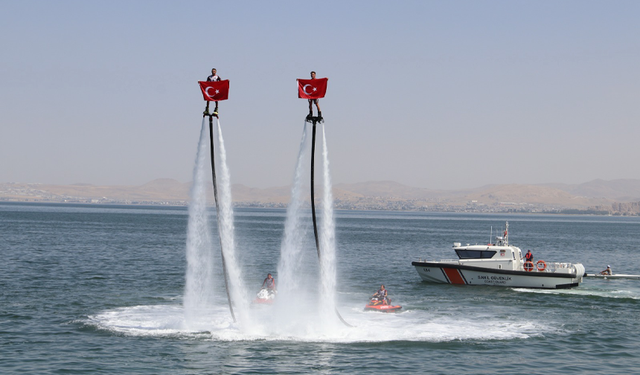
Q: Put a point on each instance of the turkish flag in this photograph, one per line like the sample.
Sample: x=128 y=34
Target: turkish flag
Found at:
x=312 y=88
x=215 y=91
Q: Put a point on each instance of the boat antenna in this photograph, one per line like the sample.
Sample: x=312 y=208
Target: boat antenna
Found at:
x=491 y=235
x=506 y=234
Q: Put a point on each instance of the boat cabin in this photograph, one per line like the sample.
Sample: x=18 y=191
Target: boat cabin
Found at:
x=492 y=255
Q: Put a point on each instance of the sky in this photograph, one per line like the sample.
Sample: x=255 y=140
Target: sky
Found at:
x=431 y=94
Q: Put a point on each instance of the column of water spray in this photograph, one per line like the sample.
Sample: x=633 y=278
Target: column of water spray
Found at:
x=327 y=243
x=292 y=247
x=199 y=283
x=237 y=288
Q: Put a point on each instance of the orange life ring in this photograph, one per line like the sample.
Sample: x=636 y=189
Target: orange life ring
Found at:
x=541 y=265
x=528 y=266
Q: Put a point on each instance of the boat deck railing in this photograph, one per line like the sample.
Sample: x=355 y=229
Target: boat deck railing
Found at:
x=439 y=261
x=558 y=267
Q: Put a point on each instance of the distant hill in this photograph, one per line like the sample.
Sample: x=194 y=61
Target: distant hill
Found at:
x=532 y=194
x=161 y=190
x=391 y=189
x=623 y=190
x=363 y=195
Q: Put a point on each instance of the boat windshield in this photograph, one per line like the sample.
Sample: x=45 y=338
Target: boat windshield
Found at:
x=475 y=254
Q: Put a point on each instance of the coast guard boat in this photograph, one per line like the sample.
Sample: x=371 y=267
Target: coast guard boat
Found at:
x=499 y=264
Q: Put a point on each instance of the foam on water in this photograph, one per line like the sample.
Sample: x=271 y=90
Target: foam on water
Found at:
x=592 y=291
x=419 y=325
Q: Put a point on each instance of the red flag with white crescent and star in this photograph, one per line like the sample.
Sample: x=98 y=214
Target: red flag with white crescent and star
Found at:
x=215 y=91
x=312 y=88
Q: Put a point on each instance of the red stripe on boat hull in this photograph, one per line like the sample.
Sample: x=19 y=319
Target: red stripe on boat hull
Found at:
x=454 y=276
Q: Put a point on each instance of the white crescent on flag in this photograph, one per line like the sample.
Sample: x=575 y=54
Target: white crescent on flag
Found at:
x=304 y=88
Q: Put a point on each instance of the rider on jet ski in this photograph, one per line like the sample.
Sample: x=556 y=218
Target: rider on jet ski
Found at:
x=269 y=283
x=381 y=295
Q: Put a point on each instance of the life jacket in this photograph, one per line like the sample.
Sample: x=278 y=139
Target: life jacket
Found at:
x=269 y=282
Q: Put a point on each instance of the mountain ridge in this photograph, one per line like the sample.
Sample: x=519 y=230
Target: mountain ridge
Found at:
x=361 y=195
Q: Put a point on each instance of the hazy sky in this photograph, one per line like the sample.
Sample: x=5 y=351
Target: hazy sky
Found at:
x=434 y=94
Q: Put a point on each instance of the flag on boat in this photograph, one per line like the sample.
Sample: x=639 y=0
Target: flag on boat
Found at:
x=312 y=88
x=215 y=91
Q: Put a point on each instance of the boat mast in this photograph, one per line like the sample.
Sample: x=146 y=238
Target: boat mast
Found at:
x=506 y=234
x=491 y=236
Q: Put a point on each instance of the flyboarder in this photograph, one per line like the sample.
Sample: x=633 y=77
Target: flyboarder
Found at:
x=212 y=78
x=312 y=101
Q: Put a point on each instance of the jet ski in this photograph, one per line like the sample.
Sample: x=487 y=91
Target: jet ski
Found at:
x=377 y=304
x=265 y=296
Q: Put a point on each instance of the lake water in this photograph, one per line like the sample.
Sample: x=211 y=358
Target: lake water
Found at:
x=98 y=289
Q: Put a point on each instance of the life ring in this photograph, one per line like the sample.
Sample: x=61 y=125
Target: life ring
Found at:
x=528 y=266
x=541 y=265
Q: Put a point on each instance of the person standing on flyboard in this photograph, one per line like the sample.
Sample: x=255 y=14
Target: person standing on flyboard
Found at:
x=312 y=101
x=213 y=78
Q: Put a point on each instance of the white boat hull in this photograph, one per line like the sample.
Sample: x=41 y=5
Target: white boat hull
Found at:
x=614 y=276
x=450 y=273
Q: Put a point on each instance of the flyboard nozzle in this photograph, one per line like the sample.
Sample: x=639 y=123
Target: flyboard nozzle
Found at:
x=314 y=119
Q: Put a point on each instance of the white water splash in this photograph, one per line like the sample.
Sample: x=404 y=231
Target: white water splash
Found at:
x=237 y=289
x=587 y=291
x=417 y=326
x=327 y=244
x=294 y=229
x=305 y=306
x=199 y=288
x=296 y=306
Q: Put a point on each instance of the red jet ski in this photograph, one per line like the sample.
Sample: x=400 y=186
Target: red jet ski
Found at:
x=265 y=296
x=377 y=304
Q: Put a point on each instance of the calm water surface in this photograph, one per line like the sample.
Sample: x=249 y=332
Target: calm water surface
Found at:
x=98 y=289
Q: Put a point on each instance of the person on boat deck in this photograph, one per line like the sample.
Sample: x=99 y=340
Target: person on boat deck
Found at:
x=528 y=257
x=382 y=295
x=269 y=283
x=607 y=271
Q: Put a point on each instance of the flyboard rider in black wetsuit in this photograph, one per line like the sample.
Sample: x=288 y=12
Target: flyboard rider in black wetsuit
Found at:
x=314 y=101
x=213 y=78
